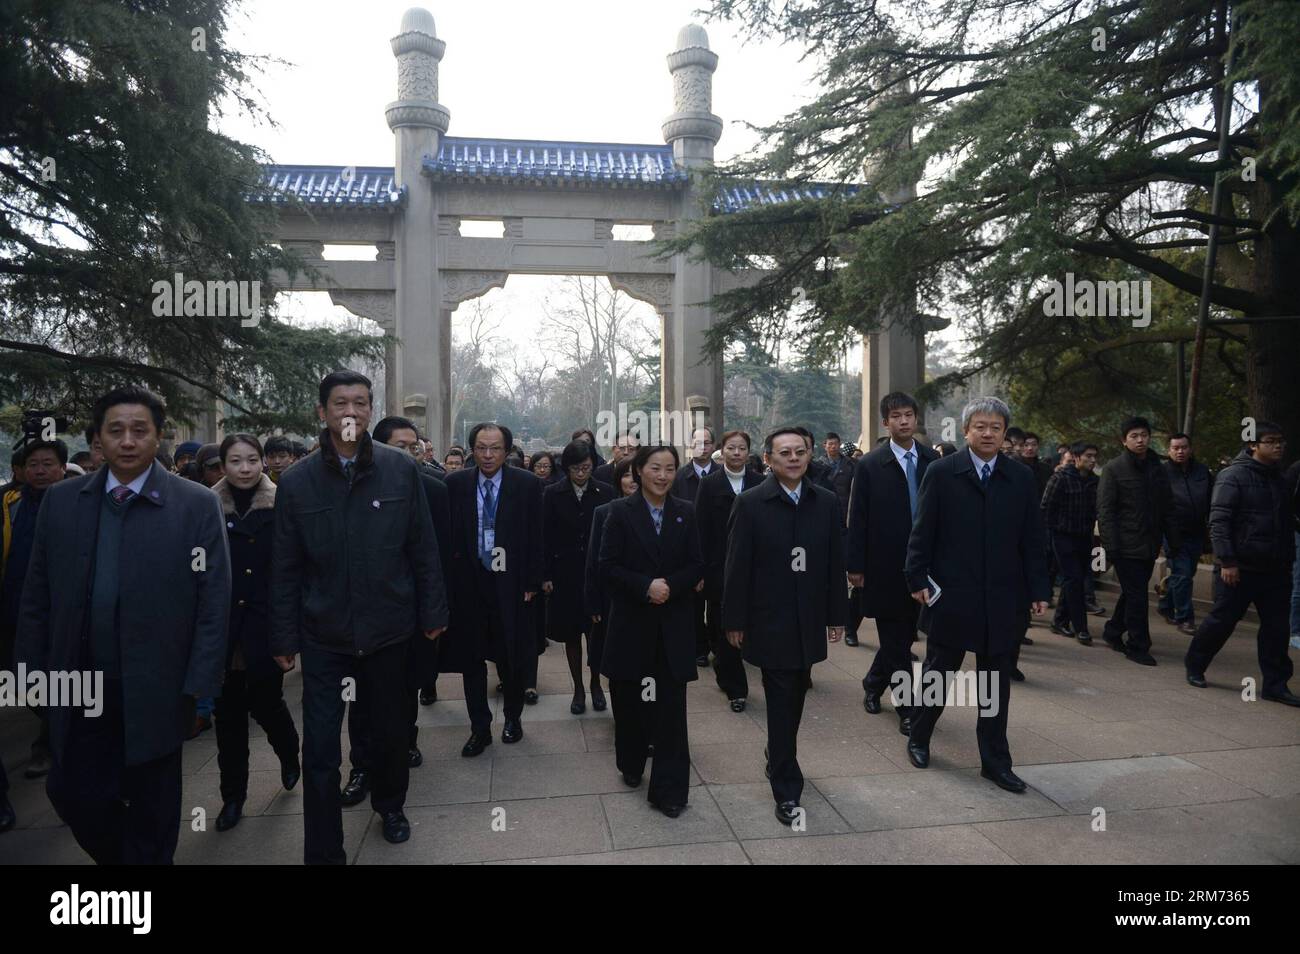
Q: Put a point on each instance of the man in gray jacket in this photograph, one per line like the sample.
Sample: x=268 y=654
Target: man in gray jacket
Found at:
x=129 y=583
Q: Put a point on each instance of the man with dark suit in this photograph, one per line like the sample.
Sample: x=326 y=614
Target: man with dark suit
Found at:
x=625 y=445
x=686 y=486
x=784 y=595
x=713 y=502
x=978 y=536
x=422 y=666
x=838 y=471
x=650 y=563
x=496 y=571
x=129 y=577
x=886 y=489
x=355 y=575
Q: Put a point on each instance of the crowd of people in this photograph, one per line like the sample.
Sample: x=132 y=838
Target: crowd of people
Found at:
x=193 y=583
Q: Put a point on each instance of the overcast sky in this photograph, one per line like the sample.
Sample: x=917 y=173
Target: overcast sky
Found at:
x=586 y=70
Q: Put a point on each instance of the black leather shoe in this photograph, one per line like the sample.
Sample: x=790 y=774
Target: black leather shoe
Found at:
x=630 y=780
x=1095 y=609
x=598 y=702
x=1196 y=679
x=905 y=725
x=918 y=755
x=737 y=705
x=850 y=639
x=871 y=702
x=396 y=828
x=428 y=696
x=1084 y=639
x=1062 y=629
x=358 y=787
x=1026 y=641
x=478 y=741
x=578 y=706
x=1114 y=642
x=290 y=772
x=787 y=812
x=7 y=816
x=414 y=758
x=1006 y=779
x=1286 y=697
x=1142 y=659
x=513 y=731
x=1017 y=675
x=530 y=696
x=672 y=811
x=231 y=812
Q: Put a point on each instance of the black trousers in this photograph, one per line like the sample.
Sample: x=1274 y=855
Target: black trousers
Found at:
x=359 y=755
x=897 y=634
x=856 y=614
x=517 y=671
x=728 y=664
x=1072 y=553
x=120 y=814
x=992 y=670
x=643 y=717
x=784 y=691
x=261 y=697
x=381 y=689
x=1271 y=594
x=1131 y=609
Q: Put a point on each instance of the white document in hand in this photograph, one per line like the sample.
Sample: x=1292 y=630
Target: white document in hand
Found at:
x=935 y=591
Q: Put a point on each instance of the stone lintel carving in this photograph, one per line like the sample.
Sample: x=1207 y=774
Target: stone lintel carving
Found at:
x=604 y=231
x=305 y=249
x=514 y=227
x=385 y=251
x=458 y=286
x=655 y=289
x=379 y=306
x=449 y=225
x=664 y=230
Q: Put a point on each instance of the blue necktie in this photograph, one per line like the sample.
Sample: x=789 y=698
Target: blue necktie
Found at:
x=657 y=514
x=911 y=480
x=489 y=522
x=984 y=473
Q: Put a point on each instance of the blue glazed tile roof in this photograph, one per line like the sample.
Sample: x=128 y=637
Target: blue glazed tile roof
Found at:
x=559 y=162
x=333 y=186
x=734 y=198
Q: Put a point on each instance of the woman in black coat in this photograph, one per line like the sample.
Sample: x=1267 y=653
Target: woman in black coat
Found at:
x=595 y=593
x=650 y=562
x=541 y=465
x=567 y=509
x=254 y=684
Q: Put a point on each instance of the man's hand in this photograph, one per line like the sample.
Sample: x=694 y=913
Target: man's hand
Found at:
x=699 y=586
x=528 y=597
x=1039 y=607
x=736 y=637
x=1230 y=575
x=834 y=633
x=595 y=619
x=857 y=580
x=922 y=596
x=658 y=591
x=435 y=633
x=548 y=587
x=284 y=662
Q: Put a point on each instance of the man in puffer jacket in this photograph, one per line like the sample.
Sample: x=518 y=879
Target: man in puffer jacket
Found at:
x=1134 y=508
x=1251 y=518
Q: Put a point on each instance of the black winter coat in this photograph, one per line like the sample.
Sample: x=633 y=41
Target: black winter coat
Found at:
x=1191 y=488
x=687 y=482
x=566 y=532
x=1135 y=508
x=1251 y=516
x=713 y=504
x=250 y=539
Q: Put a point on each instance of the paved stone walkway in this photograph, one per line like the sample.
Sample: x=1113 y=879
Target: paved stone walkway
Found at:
x=1185 y=776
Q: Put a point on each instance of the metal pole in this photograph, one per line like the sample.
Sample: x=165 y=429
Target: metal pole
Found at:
x=1182 y=379
x=1224 y=120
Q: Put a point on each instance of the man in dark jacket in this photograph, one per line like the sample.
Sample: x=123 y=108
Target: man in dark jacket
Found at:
x=129 y=577
x=422 y=664
x=496 y=574
x=355 y=574
x=1293 y=487
x=885 y=493
x=978 y=537
x=784 y=596
x=838 y=473
x=1069 y=513
x=686 y=486
x=1134 y=509
x=1251 y=521
x=1191 y=484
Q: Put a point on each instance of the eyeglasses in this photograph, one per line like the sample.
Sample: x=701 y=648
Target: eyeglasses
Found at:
x=580 y=468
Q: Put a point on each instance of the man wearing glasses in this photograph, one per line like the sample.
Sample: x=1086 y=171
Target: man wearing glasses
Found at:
x=496 y=573
x=1250 y=530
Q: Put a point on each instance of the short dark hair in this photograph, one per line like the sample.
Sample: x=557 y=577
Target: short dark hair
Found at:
x=384 y=429
x=1180 y=436
x=1031 y=436
x=488 y=426
x=129 y=394
x=621 y=468
x=300 y=449
x=1134 y=424
x=582 y=433
x=341 y=379
x=897 y=400
x=1263 y=427
x=60 y=450
x=1015 y=433
x=278 y=444
x=788 y=429
x=832 y=436
x=543 y=454
x=453 y=452
x=741 y=434
x=574 y=453
x=945 y=448
x=646 y=451
x=82 y=457
x=1079 y=448
x=233 y=439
